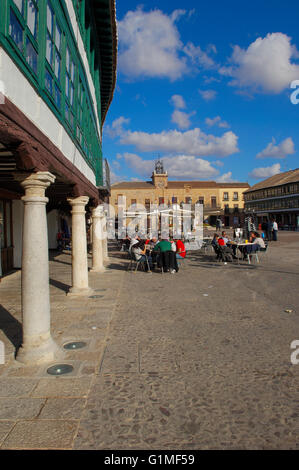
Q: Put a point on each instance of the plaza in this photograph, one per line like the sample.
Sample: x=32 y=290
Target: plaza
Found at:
x=196 y=360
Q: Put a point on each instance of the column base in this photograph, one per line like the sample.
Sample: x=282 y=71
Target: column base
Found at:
x=97 y=270
x=31 y=354
x=77 y=292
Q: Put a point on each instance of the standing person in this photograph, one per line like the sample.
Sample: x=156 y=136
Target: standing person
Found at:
x=265 y=228
x=269 y=230
x=274 y=230
x=218 y=224
x=180 y=249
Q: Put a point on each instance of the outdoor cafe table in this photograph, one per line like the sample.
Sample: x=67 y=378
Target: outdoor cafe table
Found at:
x=237 y=244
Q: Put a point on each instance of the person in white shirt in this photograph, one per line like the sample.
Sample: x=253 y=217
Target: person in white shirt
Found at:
x=274 y=231
x=258 y=240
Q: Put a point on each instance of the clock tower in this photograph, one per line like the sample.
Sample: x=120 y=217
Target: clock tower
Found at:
x=160 y=176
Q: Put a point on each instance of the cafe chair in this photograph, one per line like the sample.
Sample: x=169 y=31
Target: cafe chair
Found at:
x=263 y=251
x=141 y=262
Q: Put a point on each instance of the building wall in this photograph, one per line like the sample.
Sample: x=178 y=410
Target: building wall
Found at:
x=73 y=126
x=181 y=194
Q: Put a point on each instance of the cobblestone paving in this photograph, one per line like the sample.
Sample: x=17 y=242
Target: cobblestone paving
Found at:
x=195 y=360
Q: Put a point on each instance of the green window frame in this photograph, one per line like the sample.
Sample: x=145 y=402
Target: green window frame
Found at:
x=70 y=87
x=54 y=49
x=23 y=30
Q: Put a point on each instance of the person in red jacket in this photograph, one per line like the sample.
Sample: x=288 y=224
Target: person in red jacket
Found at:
x=180 y=249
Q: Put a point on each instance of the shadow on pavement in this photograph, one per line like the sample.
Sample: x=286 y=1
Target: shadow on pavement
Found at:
x=60 y=285
x=11 y=327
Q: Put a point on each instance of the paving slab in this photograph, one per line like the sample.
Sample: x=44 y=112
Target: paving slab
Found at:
x=62 y=408
x=62 y=387
x=20 y=408
x=41 y=434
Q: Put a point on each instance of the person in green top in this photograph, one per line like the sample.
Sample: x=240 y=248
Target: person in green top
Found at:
x=163 y=245
x=168 y=260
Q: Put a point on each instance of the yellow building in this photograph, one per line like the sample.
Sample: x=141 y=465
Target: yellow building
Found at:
x=220 y=200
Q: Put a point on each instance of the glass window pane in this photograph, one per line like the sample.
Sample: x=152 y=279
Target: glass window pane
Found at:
x=73 y=72
x=67 y=59
x=57 y=96
x=58 y=37
x=50 y=19
x=67 y=86
x=72 y=95
x=20 y=5
x=16 y=31
x=66 y=112
x=49 y=49
x=32 y=18
x=57 y=65
x=49 y=82
x=31 y=56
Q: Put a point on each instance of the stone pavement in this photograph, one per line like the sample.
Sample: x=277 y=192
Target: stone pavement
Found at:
x=195 y=360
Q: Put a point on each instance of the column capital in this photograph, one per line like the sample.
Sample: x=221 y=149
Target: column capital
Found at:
x=98 y=212
x=78 y=201
x=78 y=204
x=35 y=184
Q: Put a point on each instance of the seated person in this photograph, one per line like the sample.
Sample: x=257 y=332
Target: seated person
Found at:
x=180 y=249
x=224 y=238
x=153 y=242
x=134 y=241
x=215 y=240
x=139 y=250
x=257 y=241
x=226 y=249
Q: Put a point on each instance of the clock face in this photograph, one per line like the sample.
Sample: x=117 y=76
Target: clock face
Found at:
x=160 y=184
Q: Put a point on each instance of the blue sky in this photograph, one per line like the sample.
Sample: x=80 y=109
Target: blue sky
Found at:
x=206 y=86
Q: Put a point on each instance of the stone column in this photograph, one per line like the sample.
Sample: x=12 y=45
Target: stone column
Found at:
x=105 y=240
x=97 y=239
x=79 y=248
x=38 y=345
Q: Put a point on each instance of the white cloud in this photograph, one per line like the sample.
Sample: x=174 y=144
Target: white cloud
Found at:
x=181 y=167
x=225 y=178
x=150 y=45
x=114 y=178
x=116 y=164
x=278 y=151
x=266 y=66
x=260 y=173
x=140 y=166
x=217 y=121
x=181 y=119
x=194 y=142
x=116 y=127
x=178 y=102
x=208 y=95
x=198 y=56
x=191 y=142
